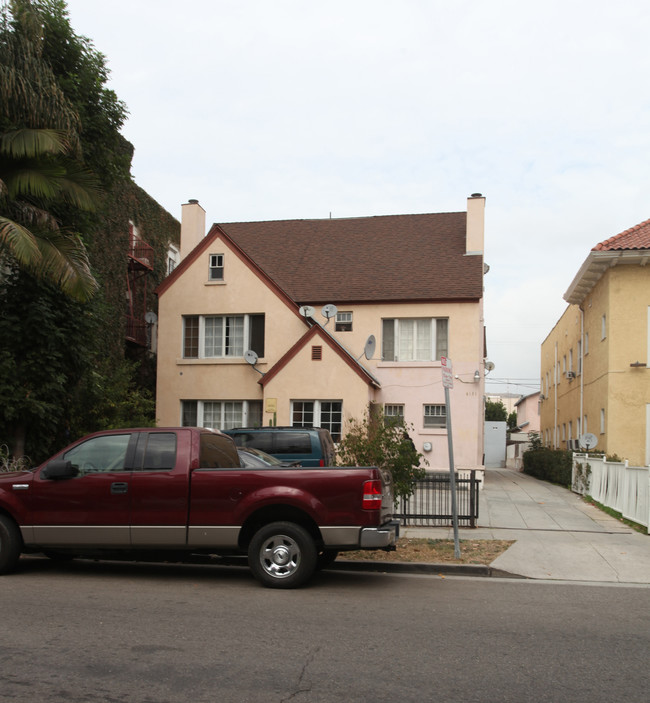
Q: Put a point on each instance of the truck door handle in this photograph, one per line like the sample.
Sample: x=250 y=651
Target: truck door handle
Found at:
x=119 y=487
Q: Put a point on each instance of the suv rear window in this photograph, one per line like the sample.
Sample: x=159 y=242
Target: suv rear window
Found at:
x=292 y=443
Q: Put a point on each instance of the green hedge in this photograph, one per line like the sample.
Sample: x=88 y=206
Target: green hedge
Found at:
x=552 y=465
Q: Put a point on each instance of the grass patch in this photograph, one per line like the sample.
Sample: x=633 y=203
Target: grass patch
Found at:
x=435 y=551
x=615 y=514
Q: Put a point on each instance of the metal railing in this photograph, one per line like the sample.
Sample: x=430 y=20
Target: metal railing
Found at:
x=136 y=330
x=430 y=504
x=142 y=253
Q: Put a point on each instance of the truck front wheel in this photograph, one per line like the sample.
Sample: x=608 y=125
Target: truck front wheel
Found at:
x=282 y=555
x=10 y=545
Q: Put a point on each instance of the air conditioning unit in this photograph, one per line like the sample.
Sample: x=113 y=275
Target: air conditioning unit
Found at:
x=570 y=374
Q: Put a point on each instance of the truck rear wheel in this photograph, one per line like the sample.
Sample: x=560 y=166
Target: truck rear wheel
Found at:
x=10 y=545
x=282 y=555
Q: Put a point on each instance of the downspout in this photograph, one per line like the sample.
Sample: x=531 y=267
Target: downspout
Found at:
x=555 y=400
x=582 y=368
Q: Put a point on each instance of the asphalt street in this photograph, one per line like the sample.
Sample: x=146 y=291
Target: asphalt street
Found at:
x=97 y=631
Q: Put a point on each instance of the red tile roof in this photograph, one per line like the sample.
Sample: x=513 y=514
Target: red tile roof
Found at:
x=637 y=237
x=395 y=257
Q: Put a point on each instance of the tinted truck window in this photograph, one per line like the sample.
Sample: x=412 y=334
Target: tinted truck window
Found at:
x=218 y=452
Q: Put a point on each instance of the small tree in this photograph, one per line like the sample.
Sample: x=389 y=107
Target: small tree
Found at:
x=495 y=411
x=383 y=442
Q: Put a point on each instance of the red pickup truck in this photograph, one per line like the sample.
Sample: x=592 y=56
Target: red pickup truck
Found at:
x=158 y=492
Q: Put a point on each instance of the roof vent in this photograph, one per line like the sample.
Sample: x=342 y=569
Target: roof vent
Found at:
x=474 y=195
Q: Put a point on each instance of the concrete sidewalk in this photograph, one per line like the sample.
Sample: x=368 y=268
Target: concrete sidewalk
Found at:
x=558 y=536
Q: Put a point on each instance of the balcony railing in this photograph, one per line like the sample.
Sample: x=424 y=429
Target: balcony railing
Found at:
x=136 y=330
x=141 y=253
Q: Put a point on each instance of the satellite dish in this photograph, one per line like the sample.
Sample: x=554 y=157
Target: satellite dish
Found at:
x=371 y=345
x=250 y=357
x=329 y=311
x=307 y=311
x=151 y=318
x=588 y=440
x=489 y=366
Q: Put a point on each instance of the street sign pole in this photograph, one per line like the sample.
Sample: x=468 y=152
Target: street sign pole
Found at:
x=448 y=382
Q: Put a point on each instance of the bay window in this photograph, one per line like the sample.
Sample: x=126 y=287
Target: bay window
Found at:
x=221 y=414
x=222 y=336
x=414 y=338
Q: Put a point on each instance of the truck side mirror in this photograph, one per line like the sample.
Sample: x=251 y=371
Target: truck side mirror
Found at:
x=59 y=469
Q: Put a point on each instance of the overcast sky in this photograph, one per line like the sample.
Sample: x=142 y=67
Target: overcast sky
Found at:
x=287 y=109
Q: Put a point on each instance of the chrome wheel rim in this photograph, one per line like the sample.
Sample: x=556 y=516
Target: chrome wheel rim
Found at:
x=280 y=556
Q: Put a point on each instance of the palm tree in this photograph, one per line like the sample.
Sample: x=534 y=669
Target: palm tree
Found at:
x=36 y=174
x=40 y=168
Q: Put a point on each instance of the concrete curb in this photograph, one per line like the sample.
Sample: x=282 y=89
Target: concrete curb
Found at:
x=413 y=567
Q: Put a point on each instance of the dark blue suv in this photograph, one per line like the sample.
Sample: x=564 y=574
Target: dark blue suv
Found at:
x=311 y=446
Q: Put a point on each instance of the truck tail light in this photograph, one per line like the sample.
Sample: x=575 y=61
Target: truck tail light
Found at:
x=371 y=495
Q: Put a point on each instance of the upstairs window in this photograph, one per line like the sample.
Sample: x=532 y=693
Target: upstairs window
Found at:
x=222 y=336
x=215 y=272
x=343 y=322
x=415 y=339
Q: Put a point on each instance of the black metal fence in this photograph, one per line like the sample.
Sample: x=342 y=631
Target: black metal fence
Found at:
x=430 y=504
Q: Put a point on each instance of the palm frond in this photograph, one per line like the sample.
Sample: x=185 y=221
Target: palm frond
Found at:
x=64 y=261
x=30 y=143
x=19 y=241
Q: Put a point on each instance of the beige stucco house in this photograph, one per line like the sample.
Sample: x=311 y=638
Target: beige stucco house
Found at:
x=245 y=337
x=595 y=361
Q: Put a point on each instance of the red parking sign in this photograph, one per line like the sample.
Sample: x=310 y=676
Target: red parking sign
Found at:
x=447 y=375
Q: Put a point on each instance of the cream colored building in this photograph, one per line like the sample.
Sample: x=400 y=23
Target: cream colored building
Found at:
x=239 y=345
x=595 y=361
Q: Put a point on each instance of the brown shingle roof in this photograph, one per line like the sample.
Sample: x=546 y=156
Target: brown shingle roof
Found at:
x=637 y=237
x=395 y=257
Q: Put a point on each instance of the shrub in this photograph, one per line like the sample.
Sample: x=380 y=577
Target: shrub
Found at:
x=552 y=465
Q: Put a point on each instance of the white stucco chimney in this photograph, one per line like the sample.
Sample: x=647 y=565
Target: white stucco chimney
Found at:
x=192 y=226
x=475 y=224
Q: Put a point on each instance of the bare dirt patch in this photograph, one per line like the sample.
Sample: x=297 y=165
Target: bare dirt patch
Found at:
x=435 y=551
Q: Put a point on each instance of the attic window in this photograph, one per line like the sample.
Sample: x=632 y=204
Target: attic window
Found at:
x=316 y=353
x=215 y=272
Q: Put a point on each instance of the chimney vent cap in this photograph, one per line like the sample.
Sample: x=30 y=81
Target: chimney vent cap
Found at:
x=474 y=195
x=193 y=201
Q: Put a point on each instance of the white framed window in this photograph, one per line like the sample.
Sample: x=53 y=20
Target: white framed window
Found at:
x=603 y=327
x=570 y=435
x=586 y=343
x=570 y=360
x=222 y=336
x=221 y=414
x=215 y=268
x=327 y=414
x=343 y=322
x=414 y=338
x=563 y=431
x=584 y=425
x=602 y=421
x=435 y=416
x=393 y=413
